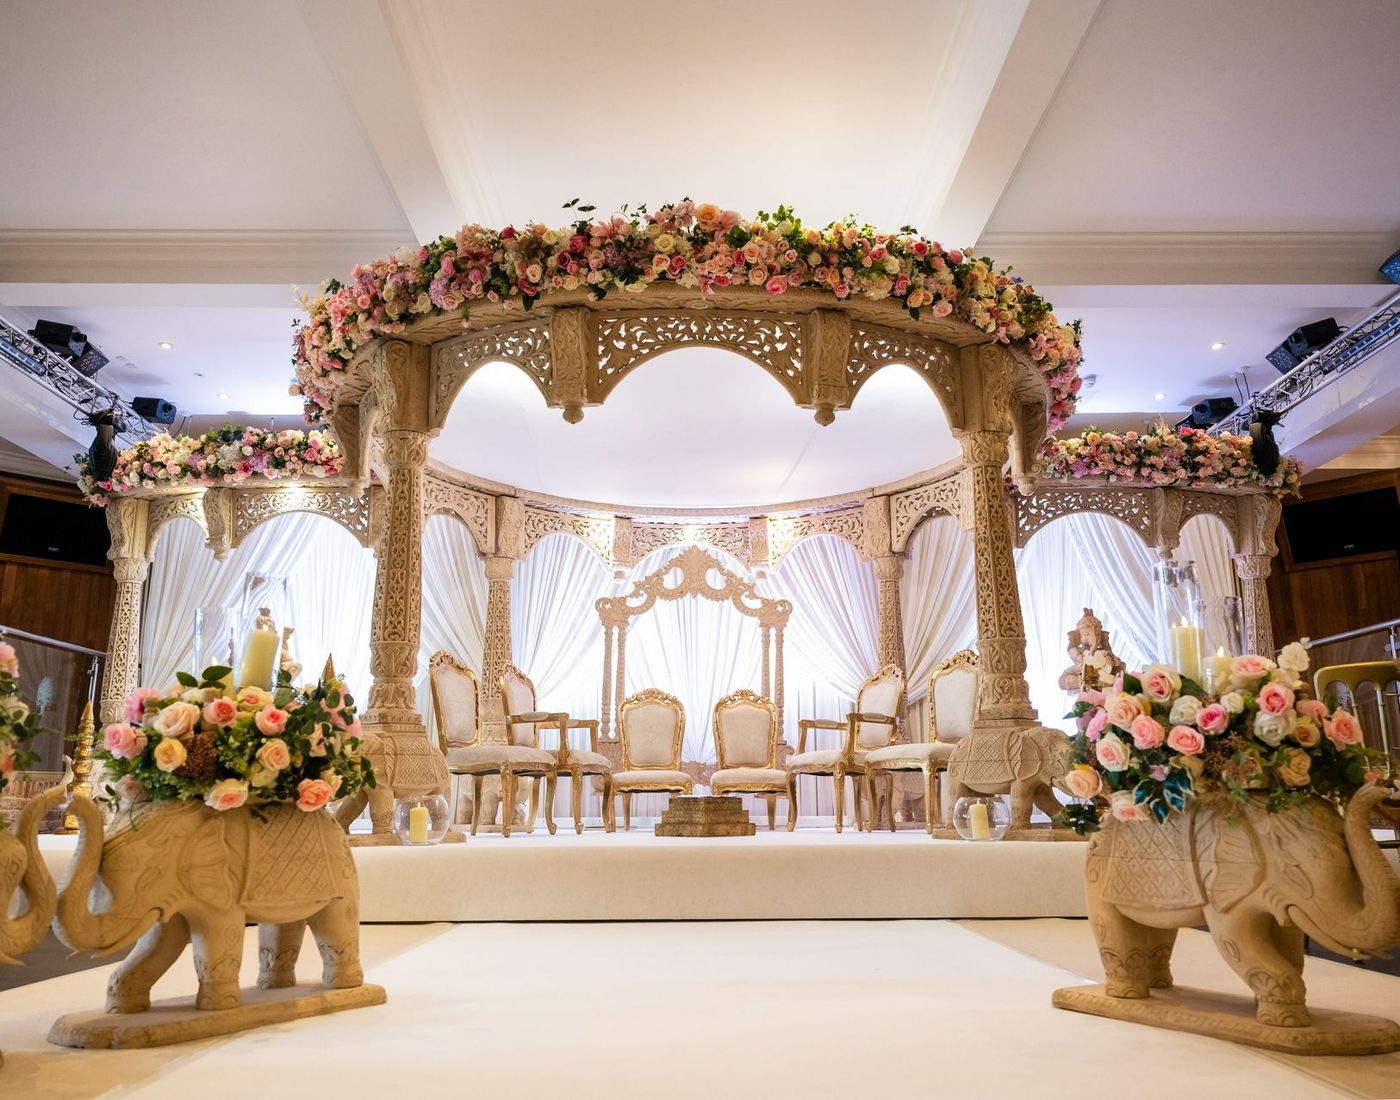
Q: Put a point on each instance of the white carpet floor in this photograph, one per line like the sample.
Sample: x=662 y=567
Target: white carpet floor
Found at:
x=779 y=1009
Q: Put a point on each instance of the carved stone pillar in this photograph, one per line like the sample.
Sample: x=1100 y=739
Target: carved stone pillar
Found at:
x=1003 y=694
x=126 y=521
x=890 y=644
x=497 y=651
x=1253 y=571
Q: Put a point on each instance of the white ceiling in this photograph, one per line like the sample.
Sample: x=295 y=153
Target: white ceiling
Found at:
x=1174 y=175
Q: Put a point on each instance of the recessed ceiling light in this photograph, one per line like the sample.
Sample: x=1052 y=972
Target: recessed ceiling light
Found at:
x=1217 y=345
x=164 y=345
x=1159 y=397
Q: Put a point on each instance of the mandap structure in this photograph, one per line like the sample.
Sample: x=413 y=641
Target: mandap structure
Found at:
x=395 y=393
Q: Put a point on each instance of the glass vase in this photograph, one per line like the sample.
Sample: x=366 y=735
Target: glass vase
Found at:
x=981 y=817
x=1177 y=603
x=421 y=819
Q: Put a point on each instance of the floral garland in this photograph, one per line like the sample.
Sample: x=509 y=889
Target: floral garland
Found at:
x=18 y=724
x=1156 y=740
x=1166 y=456
x=697 y=246
x=221 y=456
x=200 y=740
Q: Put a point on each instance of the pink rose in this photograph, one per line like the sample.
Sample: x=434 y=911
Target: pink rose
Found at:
x=1342 y=729
x=136 y=704
x=227 y=794
x=312 y=794
x=1124 y=808
x=1092 y=697
x=274 y=755
x=9 y=661
x=1097 y=721
x=270 y=720
x=176 y=720
x=1185 y=740
x=130 y=789
x=221 y=712
x=1112 y=753
x=1122 y=709
x=1274 y=698
x=1249 y=667
x=1147 y=732
x=1311 y=708
x=1213 y=718
x=123 y=741
x=1160 y=683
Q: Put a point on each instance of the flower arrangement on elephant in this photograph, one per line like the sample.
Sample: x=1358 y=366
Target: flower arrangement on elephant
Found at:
x=201 y=740
x=697 y=246
x=221 y=456
x=18 y=724
x=1166 y=456
x=1156 y=740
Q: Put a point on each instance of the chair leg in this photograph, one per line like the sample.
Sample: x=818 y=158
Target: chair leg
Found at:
x=608 y=808
x=838 y=782
x=857 y=807
x=932 y=811
x=477 y=781
x=772 y=812
x=626 y=811
x=577 y=792
x=551 y=780
x=792 y=802
x=889 y=797
x=534 y=805
x=507 y=801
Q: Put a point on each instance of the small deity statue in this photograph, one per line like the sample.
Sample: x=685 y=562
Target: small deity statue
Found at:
x=264 y=621
x=285 y=663
x=1093 y=664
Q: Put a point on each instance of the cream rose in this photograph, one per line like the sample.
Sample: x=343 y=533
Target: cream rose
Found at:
x=1122 y=709
x=259 y=776
x=1273 y=728
x=227 y=794
x=1232 y=701
x=1160 y=682
x=1111 y=753
x=1294 y=657
x=252 y=697
x=1083 y=781
x=1184 y=711
x=274 y=755
x=169 y=754
x=176 y=720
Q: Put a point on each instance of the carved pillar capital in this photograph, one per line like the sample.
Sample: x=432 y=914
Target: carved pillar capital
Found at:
x=875 y=528
x=510 y=527
x=985 y=448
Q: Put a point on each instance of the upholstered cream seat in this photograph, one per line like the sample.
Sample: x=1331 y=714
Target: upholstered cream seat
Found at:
x=523 y=723
x=746 y=750
x=871 y=726
x=457 y=708
x=952 y=706
x=651 y=726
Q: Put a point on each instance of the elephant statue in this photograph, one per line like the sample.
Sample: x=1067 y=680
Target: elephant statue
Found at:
x=405 y=763
x=1259 y=881
x=1027 y=763
x=181 y=872
x=22 y=867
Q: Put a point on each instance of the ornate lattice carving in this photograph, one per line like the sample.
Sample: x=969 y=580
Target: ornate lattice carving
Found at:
x=454 y=361
x=628 y=339
x=496 y=652
x=163 y=509
x=1131 y=504
x=873 y=347
x=596 y=531
x=1224 y=508
x=732 y=538
x=785 y=532
x=908 y=509
x=476 y=510
x=254 y=506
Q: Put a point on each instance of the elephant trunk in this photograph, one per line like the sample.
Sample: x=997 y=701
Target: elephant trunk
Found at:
x=1372 y=925
x=22 y=933
x=76 y=924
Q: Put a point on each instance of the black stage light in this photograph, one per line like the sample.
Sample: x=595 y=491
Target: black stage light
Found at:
x=1302 y=342
x=102 y=455
x=68 y=343
x=1265 y=448
x=1210 y=411
x=156 y=410
x=1391 y=268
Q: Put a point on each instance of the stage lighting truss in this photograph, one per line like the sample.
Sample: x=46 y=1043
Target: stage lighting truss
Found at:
x=1324 y=366
x=67 y=383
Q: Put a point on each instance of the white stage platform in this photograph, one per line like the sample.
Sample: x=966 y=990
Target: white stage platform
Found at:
x=811 y=873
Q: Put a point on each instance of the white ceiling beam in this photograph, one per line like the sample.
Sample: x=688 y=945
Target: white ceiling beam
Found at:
x=364 y=57
x=1047 y=39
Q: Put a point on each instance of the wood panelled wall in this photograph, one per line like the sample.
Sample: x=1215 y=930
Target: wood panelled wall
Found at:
x=1316 y=599
x=63 y=600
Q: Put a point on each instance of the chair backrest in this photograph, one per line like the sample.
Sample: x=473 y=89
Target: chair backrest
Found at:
x=518 y=697
x=952 y=697
x=1379 y=674
x=456 y=701
x=746 y=731
x=883 y=693
x=652 y=727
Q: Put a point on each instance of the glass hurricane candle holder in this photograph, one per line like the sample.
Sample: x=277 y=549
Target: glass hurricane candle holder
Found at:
x=1177 y=602
x=421 y=819
x=981 y=817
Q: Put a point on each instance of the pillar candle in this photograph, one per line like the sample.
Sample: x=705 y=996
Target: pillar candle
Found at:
x=978 y=821
x=259 y=658
x=1218 y=672
x=418 y=820
x=1186 y=644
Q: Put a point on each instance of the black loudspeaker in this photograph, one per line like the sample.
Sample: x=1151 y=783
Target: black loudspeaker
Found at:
x=68 y=343
x=157 y=410
x=1302 y=342
x=1211 y=410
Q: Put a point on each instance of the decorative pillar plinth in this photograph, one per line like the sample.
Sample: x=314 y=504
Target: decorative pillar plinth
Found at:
x=705 y=815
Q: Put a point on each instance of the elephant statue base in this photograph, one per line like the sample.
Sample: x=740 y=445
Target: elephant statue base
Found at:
x=1260 y=882
x=182 y=874
x=1022 y=762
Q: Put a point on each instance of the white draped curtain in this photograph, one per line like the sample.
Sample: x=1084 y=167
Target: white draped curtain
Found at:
x=454 y=603
x=937 y=607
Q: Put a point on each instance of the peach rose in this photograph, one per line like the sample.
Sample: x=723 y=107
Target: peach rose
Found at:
x=123 y=741
x=1274 y=698
x=227 y=794
x=1307 y=733
x=1160 y=682
x=169 y=754
x=1185 y=740
x=221 y=712
x=1124 y=808
x=1213 y=718
x=1249 y=667
x=1111 y=753
x=312 y=794
x=1311 y=708
x=1342 y=729
x=1147 y=732
x=9 y=660
x=274 y=755
x=1294 y=767
x=176 y=720
x=1122 y=709
x=1083 y=781
x=271 y=720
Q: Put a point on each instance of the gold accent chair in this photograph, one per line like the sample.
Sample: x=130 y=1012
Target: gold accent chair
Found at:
x=518 y=699
x=746 y=752
x=651 y=726
x=457 y=708
x=1379 y=674
x=952 y=705
x=873 y=724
